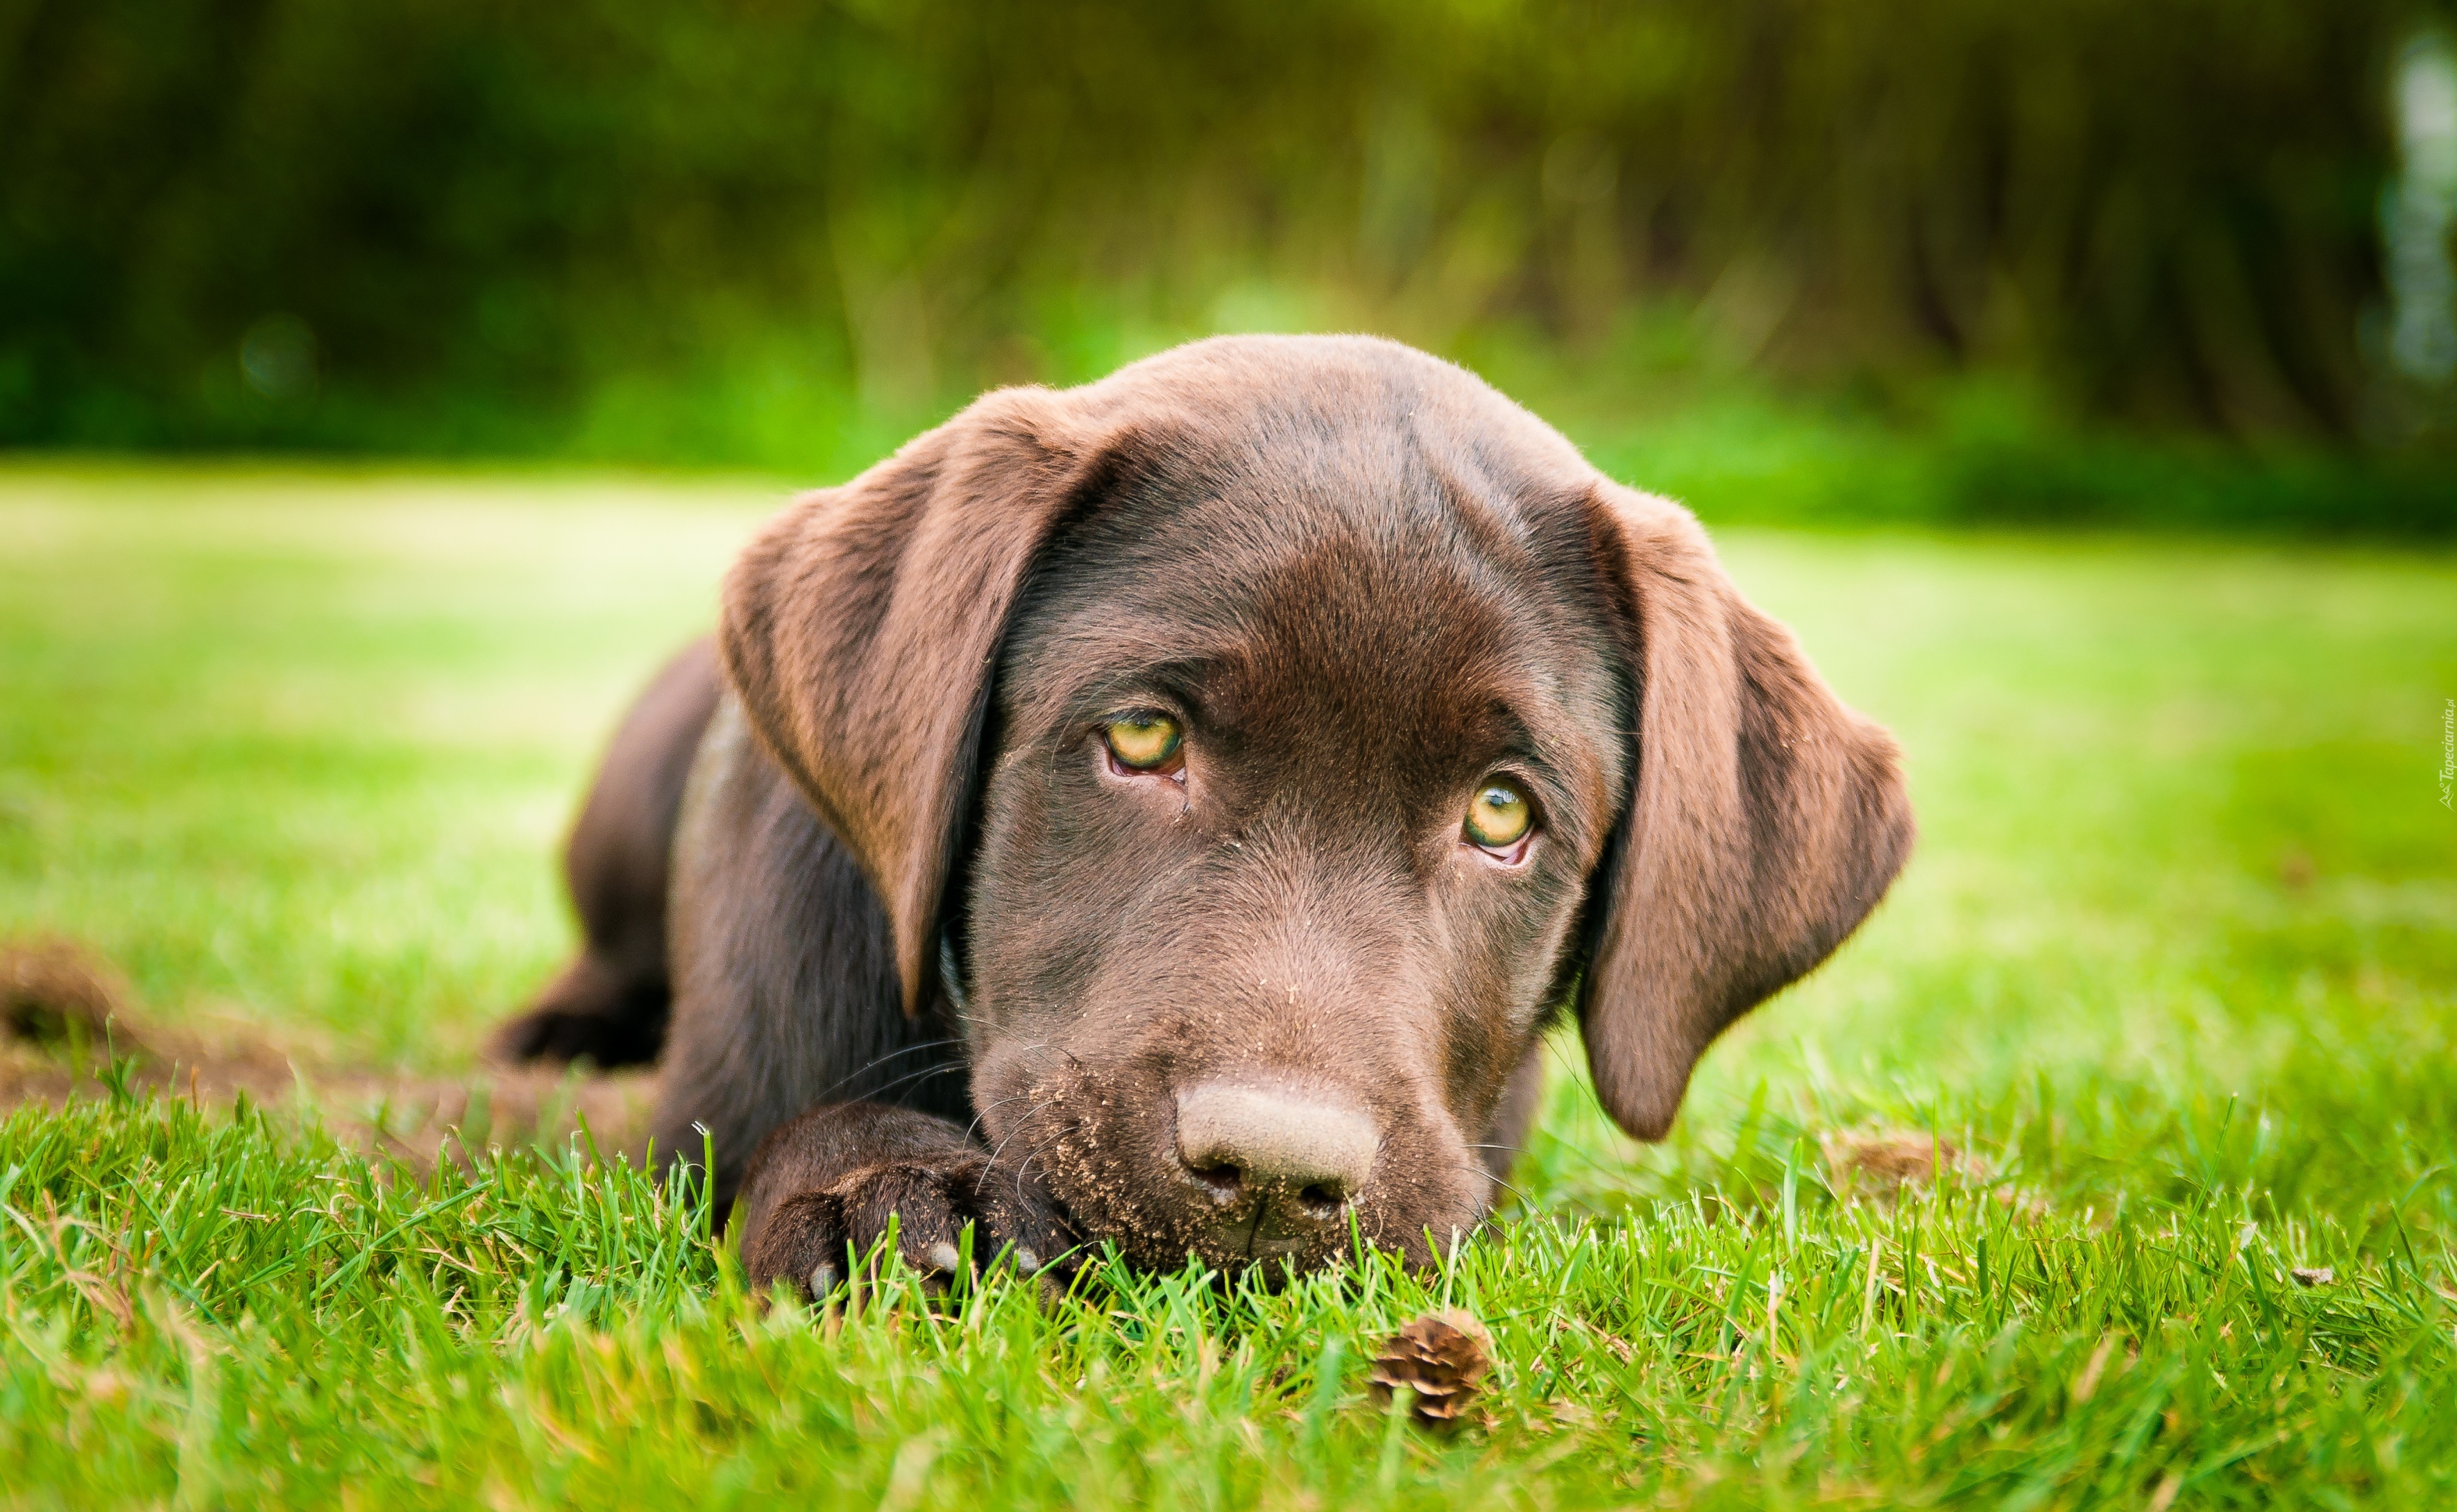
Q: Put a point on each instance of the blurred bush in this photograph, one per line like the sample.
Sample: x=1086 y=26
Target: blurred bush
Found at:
x=782 y=231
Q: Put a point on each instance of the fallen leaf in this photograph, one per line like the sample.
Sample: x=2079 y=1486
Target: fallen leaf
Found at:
x=1885 y=1159
x=2296 y=871
x=1438 y=1359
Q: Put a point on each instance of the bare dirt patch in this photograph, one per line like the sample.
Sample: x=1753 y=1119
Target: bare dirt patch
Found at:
x=67 y=1016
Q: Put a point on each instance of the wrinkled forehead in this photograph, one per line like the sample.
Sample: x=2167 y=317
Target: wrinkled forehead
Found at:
x=1352 y=578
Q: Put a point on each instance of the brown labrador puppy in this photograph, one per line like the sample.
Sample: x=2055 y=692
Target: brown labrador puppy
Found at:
x=1171 y=811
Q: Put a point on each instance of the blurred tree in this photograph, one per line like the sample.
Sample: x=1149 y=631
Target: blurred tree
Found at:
x=450 y=222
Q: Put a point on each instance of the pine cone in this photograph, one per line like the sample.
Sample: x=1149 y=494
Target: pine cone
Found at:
x=1440 y=1358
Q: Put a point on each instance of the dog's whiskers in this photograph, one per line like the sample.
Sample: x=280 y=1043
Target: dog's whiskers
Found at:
x=1487 y=1173
x=921 y=1075
x=875 y=1061
x=986 y=1111
x=1033 y=1155
x=1010 y=1139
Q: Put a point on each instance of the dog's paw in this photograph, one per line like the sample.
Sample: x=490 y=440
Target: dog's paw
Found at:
x=806 y=1239
x=564 y=1035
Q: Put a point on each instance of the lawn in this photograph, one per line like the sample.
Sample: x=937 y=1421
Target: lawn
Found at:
x=2166 y=1004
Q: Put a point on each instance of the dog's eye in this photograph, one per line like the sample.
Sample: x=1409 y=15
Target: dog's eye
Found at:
x=1143 y=743
x=1500 y=815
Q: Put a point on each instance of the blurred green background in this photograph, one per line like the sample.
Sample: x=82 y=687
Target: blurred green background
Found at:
x=2183 y=262
x=289 y=725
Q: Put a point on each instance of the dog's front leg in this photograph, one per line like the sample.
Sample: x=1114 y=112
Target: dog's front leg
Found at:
x=822 y=1187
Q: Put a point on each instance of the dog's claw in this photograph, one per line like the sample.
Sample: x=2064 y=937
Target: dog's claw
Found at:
x=935 y=1211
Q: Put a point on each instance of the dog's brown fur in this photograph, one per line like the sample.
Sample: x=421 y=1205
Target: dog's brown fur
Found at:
x=932 y=955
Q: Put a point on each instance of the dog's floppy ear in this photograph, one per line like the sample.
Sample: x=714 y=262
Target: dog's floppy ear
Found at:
x=1765 y=818
x=860 y=630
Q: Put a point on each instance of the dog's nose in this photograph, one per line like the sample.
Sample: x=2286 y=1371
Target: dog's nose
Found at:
x=1280 y=1165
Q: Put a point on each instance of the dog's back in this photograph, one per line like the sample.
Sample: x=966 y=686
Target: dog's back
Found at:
x=609 y=1004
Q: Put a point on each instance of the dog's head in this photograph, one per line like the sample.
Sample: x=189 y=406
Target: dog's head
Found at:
x=1259 y=746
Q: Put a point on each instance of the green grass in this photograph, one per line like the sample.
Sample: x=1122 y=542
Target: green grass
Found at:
x=2175 y=965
